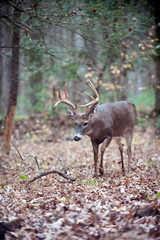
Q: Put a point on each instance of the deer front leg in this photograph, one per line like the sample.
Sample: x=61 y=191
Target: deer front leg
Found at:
x=103 y=148
x=95 y=151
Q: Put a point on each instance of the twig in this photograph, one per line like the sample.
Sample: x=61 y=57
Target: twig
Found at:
x=39 y=169
x=46 y=52
x=52 y=171
x=17 y=151
x=25 y=158
x=61 y=162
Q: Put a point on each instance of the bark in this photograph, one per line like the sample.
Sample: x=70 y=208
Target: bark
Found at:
x=52 y=171
x=5 y=62
x=9 y=120
x=157 y=90
x=0 y=72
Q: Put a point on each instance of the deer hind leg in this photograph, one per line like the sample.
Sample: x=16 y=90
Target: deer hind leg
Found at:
x=118 y=141
x=103 y=148
x=129 y=138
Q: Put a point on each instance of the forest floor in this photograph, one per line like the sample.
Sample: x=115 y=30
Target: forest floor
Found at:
x=109 y=207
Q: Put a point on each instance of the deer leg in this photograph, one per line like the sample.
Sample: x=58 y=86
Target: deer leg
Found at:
x=129 y=138
x=103 y=148
x=95 y=151
x=118 y=141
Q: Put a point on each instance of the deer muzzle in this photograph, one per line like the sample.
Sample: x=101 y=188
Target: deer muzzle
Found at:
x=77 y=138
x=78 y=135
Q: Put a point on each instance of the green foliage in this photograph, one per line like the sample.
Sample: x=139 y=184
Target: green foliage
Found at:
x=24 y=177
x=142 y=121
x=93 y=183
x=59 y=38
x=144 y=99
x=44 y=166
x=106 y=97
x=158 y=195
x=149 y=163
x=157 y=124
x=2 y=116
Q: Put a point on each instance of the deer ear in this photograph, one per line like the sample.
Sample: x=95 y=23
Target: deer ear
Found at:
x=70 y=112
x=92 y=110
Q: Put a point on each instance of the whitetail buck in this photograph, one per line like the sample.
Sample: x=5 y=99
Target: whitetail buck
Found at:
x=102 y=123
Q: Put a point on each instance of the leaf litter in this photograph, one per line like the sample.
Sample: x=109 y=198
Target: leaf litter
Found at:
x=109 y=207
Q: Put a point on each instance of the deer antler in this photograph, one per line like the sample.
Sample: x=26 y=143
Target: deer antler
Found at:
x=94 y=100
x=65 y=100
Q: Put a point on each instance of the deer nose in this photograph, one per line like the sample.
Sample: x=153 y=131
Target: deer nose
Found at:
x=76 y=138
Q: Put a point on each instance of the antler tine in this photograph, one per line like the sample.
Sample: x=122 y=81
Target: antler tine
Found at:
x=94 y=100
x=88 y=95
x=66 y=94
x=59 y=94
x=65 y=100
x=93 y=89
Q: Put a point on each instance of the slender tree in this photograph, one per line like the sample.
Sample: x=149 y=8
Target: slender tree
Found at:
x=157 y=22
x=14 y=83
x=5 y=38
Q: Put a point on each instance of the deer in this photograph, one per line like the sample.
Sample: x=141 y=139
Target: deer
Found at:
x=102 y=123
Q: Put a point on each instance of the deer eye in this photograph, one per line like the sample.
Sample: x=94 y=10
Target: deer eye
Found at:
x=85 y=124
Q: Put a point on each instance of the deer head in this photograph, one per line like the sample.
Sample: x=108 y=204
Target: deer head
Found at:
x=82 y=120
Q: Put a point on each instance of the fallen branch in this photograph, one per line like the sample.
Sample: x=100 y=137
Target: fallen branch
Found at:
x=42 y=174
x=49 y=172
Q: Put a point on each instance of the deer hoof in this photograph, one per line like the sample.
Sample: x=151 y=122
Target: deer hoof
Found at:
x=95 y=175
x=101 y=171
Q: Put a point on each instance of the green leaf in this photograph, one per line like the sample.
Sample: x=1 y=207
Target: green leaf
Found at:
x=43 y=166
x=85 y=180
x=92 y=183
x=149 y=197
x=158 y=194
x=24 y=177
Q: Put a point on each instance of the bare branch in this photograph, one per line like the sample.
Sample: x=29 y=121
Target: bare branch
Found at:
x=38 y=52
x=17 y=151
x=80 y=34
x=25 y=158
x=41 y=174
x=52 y=171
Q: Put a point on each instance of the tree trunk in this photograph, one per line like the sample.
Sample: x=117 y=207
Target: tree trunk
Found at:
x=157 y=102
x=9 y=120
x=5 y=61
x=157 y=91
